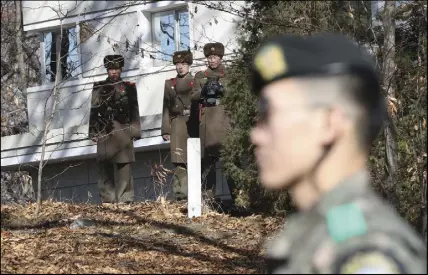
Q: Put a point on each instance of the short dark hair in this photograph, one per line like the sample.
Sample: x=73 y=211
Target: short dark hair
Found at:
x=365 y=92
x=359 y=91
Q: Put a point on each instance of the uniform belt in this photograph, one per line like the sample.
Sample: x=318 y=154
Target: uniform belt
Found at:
x=185 y=112
x=217 y=102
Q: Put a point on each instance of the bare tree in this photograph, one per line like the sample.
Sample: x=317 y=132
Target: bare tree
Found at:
x=59 y=63
x=19 y=42
x=389 y=68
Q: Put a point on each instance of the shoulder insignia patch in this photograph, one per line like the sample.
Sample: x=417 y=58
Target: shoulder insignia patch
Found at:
x=369 y=262
x=346 y=221
x=130 y=83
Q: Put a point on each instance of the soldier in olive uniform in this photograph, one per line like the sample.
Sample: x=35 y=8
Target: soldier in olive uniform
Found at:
x=176 y=125
x=321 y=108
x=114 y=125
x=209 y=89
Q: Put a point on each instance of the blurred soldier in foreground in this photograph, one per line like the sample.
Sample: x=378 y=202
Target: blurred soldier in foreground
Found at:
x=176 y=126
x=114 y=124
x=320 y=109
x=209 y=89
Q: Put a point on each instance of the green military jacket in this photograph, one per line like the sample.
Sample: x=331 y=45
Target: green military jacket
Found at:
x=214 y=123
x=115 y=120
x=350 y=231
x=176 y=120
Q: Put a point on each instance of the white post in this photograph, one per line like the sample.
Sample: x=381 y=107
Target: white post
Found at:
x=194 y=193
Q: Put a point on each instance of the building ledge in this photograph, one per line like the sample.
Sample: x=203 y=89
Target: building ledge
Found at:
x=25 y=162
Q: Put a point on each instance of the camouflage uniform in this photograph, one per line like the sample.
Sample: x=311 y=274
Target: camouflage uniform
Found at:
x=177 y=122
x=350 y=229
x=115 y=121
x=214 y=123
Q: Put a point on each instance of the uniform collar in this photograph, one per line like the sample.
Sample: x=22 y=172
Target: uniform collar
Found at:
x=114 y=82
x=220 y=68
x=351 y=187
x=185 y=76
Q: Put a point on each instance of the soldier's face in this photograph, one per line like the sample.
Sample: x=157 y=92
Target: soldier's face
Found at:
x=214 y=61
x=286 y=140
x=114 y=74
x=182 y=68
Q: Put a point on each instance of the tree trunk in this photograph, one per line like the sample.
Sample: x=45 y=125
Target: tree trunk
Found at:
x=19 y=42
x=388 y=21
x=422 y=83
x=20 y=50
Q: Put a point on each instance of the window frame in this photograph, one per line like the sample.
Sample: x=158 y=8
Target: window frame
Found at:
x=176 y=11
x=76 y=26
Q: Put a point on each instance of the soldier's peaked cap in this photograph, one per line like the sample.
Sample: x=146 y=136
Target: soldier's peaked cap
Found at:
x=182 y=56
x=114 y=61
x=287 y=56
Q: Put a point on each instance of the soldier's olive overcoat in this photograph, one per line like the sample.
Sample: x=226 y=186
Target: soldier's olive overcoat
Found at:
x=176 y=120
x=214 y=122
x=115 y=120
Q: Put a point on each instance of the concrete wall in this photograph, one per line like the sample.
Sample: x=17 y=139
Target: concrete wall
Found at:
x=76 y=181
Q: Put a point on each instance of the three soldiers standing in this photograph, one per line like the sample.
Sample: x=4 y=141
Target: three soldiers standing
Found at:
x=191 y=106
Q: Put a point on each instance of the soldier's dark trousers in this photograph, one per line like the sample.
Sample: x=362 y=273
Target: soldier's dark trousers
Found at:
x=209 y=179
x=115 y=189
x=179 y=181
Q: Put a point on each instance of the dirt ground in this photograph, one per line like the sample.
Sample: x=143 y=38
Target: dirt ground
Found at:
x=140 y=238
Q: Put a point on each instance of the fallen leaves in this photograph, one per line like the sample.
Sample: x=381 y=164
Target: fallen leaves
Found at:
x=130 y=239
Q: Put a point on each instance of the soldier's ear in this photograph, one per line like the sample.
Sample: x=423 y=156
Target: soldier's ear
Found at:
x=334 y=125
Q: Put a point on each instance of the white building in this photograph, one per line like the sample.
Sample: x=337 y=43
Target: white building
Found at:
x=146 y=33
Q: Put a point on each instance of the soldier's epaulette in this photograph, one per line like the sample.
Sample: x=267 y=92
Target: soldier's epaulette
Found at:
x=98 y=83
x=130 y=83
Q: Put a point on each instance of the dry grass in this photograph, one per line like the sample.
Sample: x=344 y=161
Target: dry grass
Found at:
x=139 y=238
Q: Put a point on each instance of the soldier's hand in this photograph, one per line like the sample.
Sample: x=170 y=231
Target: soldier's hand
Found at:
x=94 y=139
x=165 y=137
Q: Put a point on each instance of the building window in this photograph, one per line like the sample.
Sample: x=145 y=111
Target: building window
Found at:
x=66 y=46
x=170 y=34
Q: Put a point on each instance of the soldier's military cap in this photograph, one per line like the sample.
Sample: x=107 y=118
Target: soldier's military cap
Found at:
x=114 y=61
x=214 y=48
x=324 y=54
x=182 y=56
